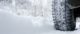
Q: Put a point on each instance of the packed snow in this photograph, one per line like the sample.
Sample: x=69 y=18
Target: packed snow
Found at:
x=14 y=24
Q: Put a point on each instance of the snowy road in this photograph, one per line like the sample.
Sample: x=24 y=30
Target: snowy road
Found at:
x=13 y=24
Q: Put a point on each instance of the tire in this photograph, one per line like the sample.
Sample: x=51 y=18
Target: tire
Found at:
x=62 y=16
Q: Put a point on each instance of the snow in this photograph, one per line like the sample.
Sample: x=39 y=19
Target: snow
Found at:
x=14 y=24
x=28 y=7
x=37 y=19
x=78 y=23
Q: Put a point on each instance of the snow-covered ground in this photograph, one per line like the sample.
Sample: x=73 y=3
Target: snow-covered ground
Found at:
x=14 y=24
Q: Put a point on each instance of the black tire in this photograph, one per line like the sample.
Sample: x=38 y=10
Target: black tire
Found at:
x=62 y=16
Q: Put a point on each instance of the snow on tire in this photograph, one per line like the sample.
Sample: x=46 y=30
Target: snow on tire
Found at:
x=62 y=16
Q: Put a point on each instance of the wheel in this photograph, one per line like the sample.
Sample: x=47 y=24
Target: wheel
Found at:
x=63 y=17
